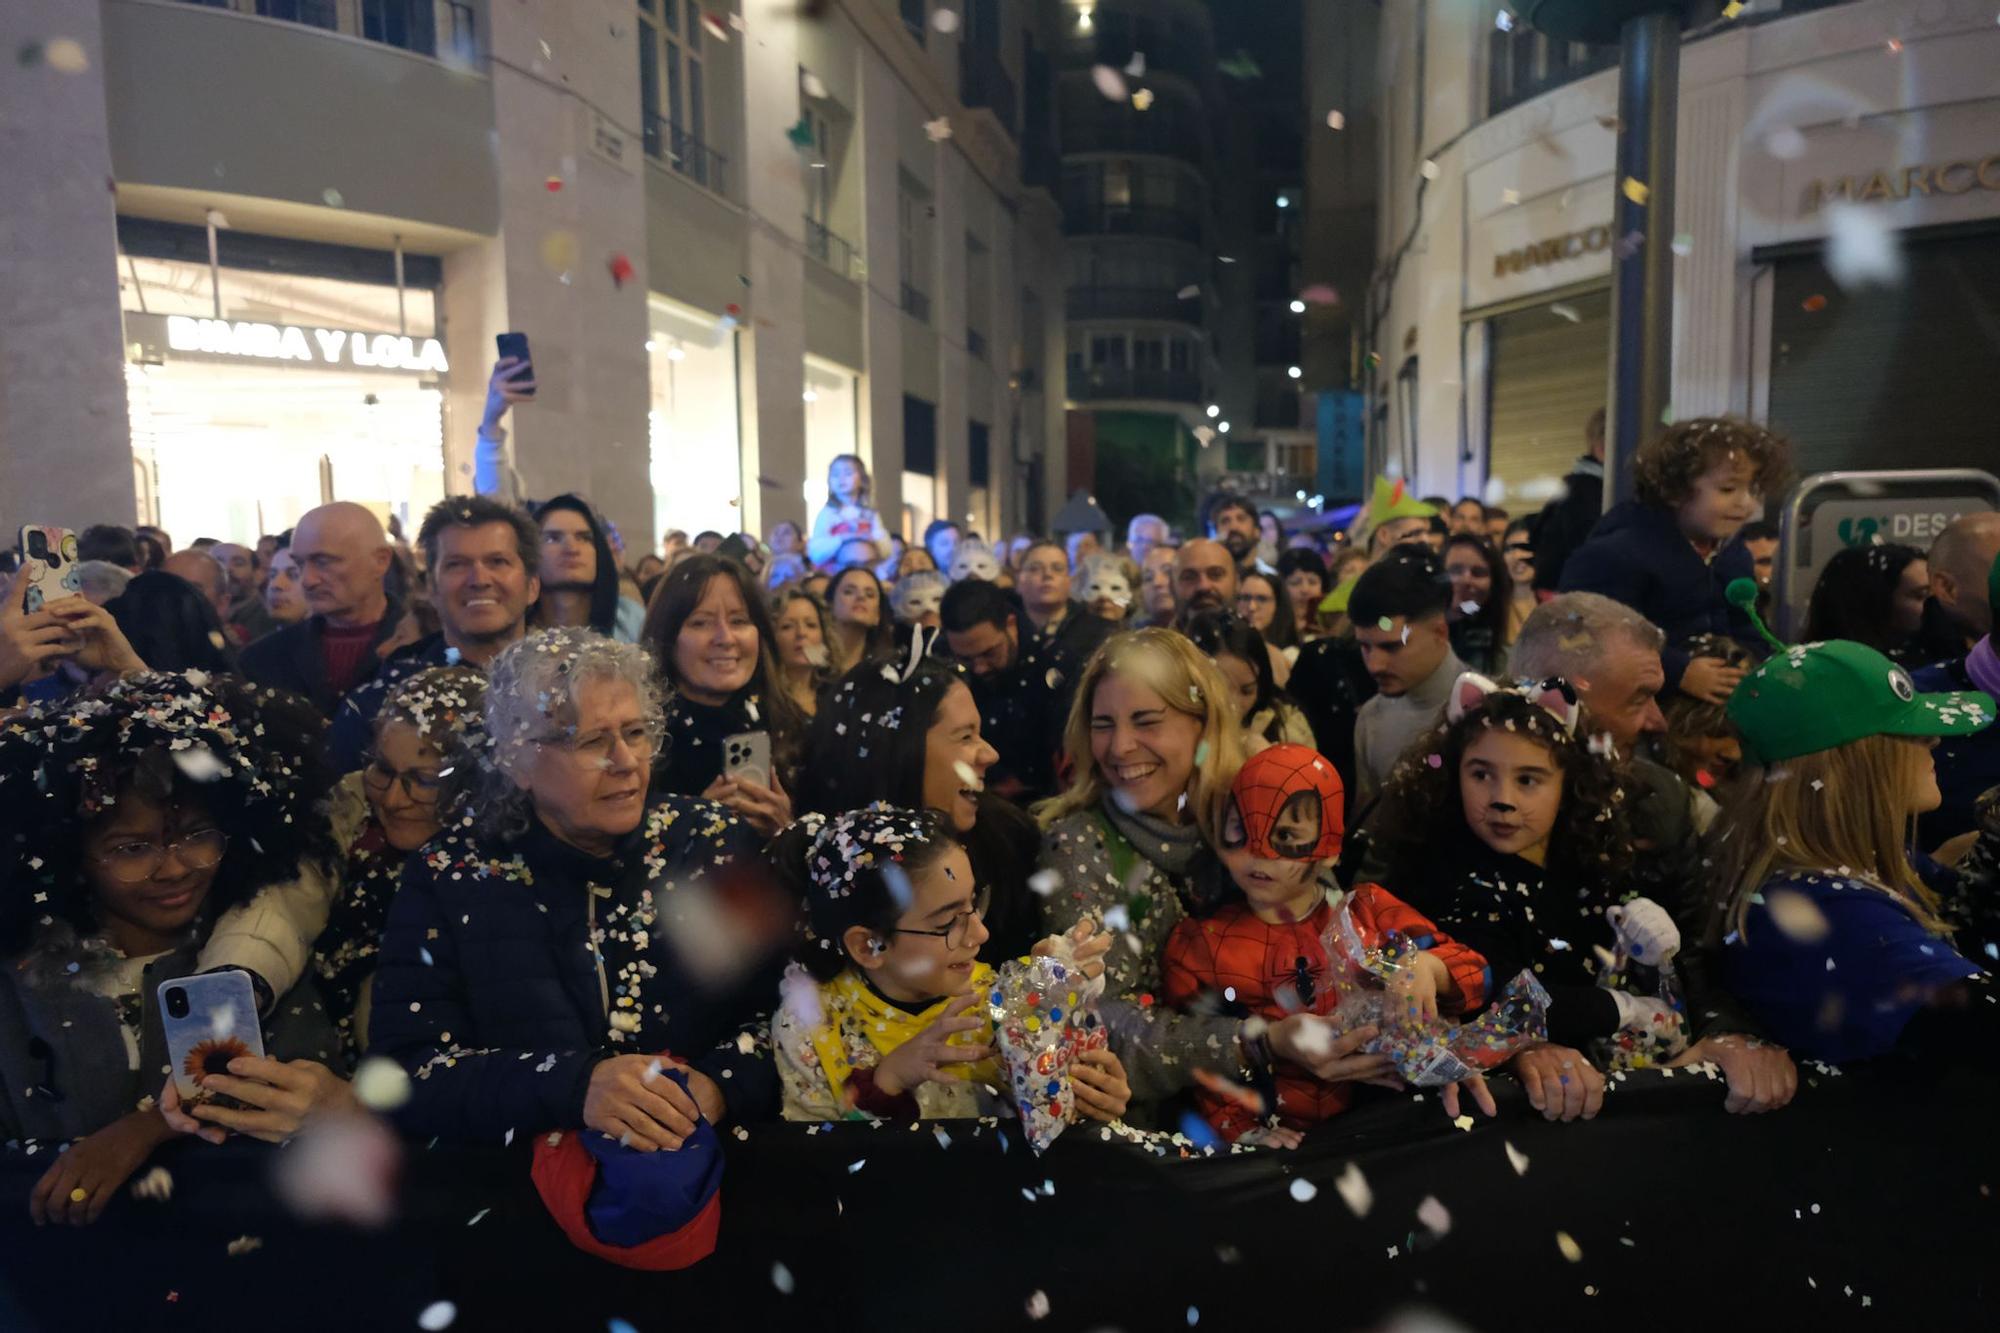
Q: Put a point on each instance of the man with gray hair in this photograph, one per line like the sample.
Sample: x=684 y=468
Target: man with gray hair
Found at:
x=1608 y=652
x=1611 y=655
x=1142 y=534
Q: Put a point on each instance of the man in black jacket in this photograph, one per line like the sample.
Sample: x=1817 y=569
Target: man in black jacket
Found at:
x=1022 y=707
x=1567 y=520
x=343 y=557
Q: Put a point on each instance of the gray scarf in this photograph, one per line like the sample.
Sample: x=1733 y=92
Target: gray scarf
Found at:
x=1170 y=847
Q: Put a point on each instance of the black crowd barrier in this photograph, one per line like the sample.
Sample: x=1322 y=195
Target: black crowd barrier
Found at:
x=1869 y=1203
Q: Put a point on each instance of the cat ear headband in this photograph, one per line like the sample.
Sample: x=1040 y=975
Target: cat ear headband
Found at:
x=1553 y=696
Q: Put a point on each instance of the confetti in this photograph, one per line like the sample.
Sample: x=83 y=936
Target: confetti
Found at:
x=1304 y=1191
x=855 y=1166
x=1336 y=121
x=1430 y=170
x=380 y=1084
x=1683 y=244
x=64 y=55
x=1038 y=1305
x=1570 y=1249
x=1732 y=9
x=1435 y=1216
x=1193 y=1316
x=199 y=764
x=1786 y=143
x=812 y=85
x=1142 y=100
x=945 y=20
x=943 y=1139
x=1188 y=293
x=1464 y=1122
x=1509 y=197
x=1860 y=250
x=938 y=130
x=1796 y=916
x=1045 y=882
x=156 y=1186
x=1355 y=1191
x=1135 y=68
x=1813 y=304
x=478 y=1217
x=436 y=1316
x=781 y=1278
x=553 y=184
x=1109 y=82
x=333 y=197
x=1517 y=1159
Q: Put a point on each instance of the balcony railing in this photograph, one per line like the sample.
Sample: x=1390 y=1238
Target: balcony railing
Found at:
x=1131 y=303
x=1108 y=382
x=975 y=343
x=1119 y=130
x=983 y=81
x=828 y=248
x=1081 y=218
x=686 y=154
x=427 y=27
x=916 y=303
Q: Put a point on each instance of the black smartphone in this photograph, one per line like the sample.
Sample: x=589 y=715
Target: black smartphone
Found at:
x=516 y=345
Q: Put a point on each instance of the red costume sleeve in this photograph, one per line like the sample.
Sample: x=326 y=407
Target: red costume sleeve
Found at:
x=1378 y=913
x=1187 y=965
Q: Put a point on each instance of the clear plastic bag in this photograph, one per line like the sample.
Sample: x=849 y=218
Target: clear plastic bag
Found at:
x=1044 y=1019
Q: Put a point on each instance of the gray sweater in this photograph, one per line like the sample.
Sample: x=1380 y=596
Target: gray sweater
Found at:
x=1386 y=726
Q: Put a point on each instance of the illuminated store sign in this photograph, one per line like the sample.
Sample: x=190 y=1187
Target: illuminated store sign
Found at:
x=346 y=348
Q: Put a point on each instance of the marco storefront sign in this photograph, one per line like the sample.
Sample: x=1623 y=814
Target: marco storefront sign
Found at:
x=351 y=349
x=1570 y=245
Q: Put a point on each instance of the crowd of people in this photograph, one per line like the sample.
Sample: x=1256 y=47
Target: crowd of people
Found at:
x=632 y=846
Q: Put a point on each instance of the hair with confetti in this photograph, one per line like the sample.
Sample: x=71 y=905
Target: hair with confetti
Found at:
x=1829 y=811
x=1169 y=664
x=1691 y=720
x=870 y=735
x=531 y=694
x=1855 y=597
x=854 y=869
x=251 y=758
x=477 y=511
x=1666 y=468
x=1421 y=813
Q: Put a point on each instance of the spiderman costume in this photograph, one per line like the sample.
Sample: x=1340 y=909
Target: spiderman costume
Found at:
x=1286 y=806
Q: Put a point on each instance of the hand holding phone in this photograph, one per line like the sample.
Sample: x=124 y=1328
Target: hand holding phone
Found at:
x=746 y=757
x=49 y=556
x=209 y=1020
x=519 y=378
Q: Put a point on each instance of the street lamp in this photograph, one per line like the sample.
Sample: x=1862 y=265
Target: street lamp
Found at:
x=1294 y=371
x=1298 y=307
x=1213 y=411
x=1222 y=426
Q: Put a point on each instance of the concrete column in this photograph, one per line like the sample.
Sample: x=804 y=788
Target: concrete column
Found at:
x=881 y=293
x=65 y=436
x=774 y=414
x=587 y=430
x=954 y=178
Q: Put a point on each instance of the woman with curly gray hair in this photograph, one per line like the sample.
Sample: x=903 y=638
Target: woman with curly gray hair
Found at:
x=531 y=973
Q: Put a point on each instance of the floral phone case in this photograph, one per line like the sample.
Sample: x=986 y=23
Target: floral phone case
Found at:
x=209 y=1020
x=50 y=554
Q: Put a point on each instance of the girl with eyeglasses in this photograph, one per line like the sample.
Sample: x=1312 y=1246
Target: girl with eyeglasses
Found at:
x=884 y=1014
x=382 y=814
x=141 y=825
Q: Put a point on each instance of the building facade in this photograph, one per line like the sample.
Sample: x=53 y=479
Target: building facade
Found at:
x=1803 y=128
x=741 y=239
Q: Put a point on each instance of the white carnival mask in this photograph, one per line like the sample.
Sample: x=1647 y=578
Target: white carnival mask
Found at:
x=974 y=561
x=917 y=595
x=1107 y=583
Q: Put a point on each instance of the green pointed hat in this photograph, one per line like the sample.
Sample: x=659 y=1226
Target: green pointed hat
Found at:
x=1392 y=501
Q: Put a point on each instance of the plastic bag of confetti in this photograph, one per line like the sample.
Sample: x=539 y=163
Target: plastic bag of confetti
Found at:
x=1368 y=986
x=1044 y=1019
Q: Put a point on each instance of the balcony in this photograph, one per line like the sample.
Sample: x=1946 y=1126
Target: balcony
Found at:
x=984 y=82
x=426 y=27
x=1082 y=218
x=1116 y=129
x=1106 y=383
x=916 y=304
x=1131 y=303
x=829 y=248
x=686 y=154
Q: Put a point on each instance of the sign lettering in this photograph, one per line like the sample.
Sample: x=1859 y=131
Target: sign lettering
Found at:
x=1570 y=245
x=1920 y=181
x=258 y=341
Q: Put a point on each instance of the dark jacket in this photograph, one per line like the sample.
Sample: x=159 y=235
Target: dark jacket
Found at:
x=353 y=729
x=1329 y=684
x=1565 y=522
x=491 y=992
x=291 y=659
x=604 y=591
x=1967 y=766
x=690 y=757
x=1638 y=556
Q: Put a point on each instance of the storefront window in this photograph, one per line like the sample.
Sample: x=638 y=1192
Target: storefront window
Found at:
x=831 y=425
x=696 y=445
x=306 y=390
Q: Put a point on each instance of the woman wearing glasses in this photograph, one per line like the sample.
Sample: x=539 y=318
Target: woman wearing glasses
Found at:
x=133 y=821
x=382 y=814
x=538 y=960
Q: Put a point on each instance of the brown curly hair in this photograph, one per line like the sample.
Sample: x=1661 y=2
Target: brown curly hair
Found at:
x=1421 y=814
x=1665 y=470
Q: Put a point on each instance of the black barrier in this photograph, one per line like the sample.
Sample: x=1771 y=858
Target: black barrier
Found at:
x=1869 y=1203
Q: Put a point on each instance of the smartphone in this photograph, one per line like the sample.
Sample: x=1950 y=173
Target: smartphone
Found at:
x=516 y=345
x=209 y=1020
x=747 y=756
x=50 y=554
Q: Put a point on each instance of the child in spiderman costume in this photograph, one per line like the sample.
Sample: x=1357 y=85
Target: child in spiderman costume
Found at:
x=1263 y=954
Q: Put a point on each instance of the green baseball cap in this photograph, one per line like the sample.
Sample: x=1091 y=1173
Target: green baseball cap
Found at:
x=1816 y=696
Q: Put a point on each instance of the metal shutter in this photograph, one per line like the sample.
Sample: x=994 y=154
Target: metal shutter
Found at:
x=1547 y=375
x=1889 y=377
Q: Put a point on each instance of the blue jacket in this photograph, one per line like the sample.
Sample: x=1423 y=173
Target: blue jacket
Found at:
x=493 y=995
x=1637 y=555
x=353 y=729
x=1967 y=766
x=1849 y=994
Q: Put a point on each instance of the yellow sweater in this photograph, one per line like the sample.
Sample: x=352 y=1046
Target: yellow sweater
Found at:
x=856 y=1029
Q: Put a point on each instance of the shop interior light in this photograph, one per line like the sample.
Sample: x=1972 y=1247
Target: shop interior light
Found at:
x=1302 y=497
x=1214 y=411
x=677 y=353
x=1284 y=201
x=1222 y=426
x=651 y=345
x=1083 y=19
x=812 y=395
x=1294 y=371
x=1298 y=307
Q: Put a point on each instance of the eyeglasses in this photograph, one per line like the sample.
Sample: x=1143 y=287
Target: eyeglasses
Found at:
x=419 y=784
x=597 y=747
x=137 y=861
x=954 y=934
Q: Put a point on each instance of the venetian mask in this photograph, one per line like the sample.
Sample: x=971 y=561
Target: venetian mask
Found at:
x=974 y=561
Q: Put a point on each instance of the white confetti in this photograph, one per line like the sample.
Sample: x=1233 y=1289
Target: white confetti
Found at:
x=1517 y=1159
x=1038 y=1302
x=1861 y=249
x=1355 y=1191
x=855 y=1166
x=1570 y=1249
x=1045 y=882
x=1786 y=144
x=199 y=764
x=380 y=1084
x=945 y=20
x=1117 y=919
x=1796 y=916
x=1304 y=1191
x=156 y=1185
x=437 y=1315
x=1435 y=1216
x=1109 y=82
x=781 y=1278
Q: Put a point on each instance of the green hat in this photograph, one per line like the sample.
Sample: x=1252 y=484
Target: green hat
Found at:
x=1335 y=602
x=1817 y=696
x=1390 y=501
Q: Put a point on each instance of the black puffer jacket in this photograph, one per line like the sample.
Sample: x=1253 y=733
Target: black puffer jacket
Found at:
x=501 y=983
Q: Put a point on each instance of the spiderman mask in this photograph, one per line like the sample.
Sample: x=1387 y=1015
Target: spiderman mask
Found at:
x=1285 y=805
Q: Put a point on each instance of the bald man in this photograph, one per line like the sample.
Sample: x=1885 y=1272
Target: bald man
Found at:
x=343 y=556
x=205 y=572
x=1205 y=580
x=1959 y=560
x=1961 y=610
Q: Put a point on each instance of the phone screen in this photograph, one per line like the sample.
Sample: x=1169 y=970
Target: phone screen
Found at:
x=516 y=345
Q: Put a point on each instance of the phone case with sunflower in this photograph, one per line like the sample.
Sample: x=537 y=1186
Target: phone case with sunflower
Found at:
x=209 y=1020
